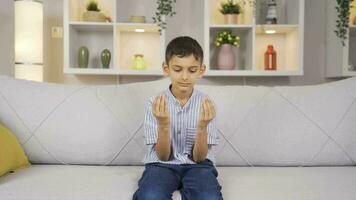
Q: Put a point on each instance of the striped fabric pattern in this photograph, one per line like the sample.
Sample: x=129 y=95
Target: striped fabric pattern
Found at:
x=182 y=131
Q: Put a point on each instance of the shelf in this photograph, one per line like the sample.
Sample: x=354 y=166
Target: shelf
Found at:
x=215 y=17
x=91 y=26
x=203 y=22
x=127 y=8
x=340 y=59
x=243 y=54
x=352 y=31
x=286 y=44
x=252 y=73
x=148 y=43
x=131 y=27
x=78 y=7
x=249 y=57
x=230 y=26
x=287 y=11
x=349 y=73
x=280 y=29
x=89 y=71
x=352 y=15
x=95 y=38
x=141 y=72
x=352 y=50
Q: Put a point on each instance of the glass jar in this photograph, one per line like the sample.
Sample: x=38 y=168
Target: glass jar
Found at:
x=138 y=62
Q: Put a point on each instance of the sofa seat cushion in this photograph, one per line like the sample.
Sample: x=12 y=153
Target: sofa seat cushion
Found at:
x=79 y=182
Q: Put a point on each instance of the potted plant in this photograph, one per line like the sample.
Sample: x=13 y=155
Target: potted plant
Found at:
x=93 y=13
x=226 y=57
x=342 y=22
x=230 y=10
x=164 y=8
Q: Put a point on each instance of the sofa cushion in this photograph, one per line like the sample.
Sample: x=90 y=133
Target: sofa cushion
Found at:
x=74 y=182
x=12 y=156
x=257 y=126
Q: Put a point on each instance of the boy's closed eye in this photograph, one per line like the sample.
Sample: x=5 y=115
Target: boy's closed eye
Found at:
x=191 y=69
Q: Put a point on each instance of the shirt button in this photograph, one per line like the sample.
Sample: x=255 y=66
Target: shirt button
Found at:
x=178 y=132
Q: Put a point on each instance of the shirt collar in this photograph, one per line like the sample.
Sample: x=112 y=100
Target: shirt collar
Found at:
x=171 y=97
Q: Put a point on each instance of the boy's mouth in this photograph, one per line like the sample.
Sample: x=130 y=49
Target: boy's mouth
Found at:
x=184 y=84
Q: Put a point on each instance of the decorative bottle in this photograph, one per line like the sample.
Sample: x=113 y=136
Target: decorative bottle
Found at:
x=270 y=58
x=83 y=57
x=105 y=58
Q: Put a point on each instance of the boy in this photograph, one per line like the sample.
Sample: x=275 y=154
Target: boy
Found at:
x=180 y=130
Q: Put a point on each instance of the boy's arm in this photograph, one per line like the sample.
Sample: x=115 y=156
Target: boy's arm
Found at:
x=200 y=148
x=163 y=145
x=160 y=111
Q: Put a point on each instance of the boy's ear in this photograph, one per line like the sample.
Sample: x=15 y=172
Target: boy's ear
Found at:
x=165 y=69
x=202 y=70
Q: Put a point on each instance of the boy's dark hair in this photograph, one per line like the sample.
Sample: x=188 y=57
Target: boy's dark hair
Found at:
x=184 y=46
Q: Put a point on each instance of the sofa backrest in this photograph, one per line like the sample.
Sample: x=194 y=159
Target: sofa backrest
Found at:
x=258 y=126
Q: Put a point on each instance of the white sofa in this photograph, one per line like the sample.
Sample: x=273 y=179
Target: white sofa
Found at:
x=275 y=143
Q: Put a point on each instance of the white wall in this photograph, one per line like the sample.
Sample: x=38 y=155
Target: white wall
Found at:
x=7 y=48
x=314 y=44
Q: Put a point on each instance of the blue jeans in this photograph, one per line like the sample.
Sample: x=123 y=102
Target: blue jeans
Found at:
x=195 y=182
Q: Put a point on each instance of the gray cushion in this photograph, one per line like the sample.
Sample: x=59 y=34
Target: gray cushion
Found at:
x=258 y=126
x=44 y=182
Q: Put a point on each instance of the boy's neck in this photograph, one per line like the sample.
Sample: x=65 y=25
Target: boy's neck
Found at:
x=181 y=97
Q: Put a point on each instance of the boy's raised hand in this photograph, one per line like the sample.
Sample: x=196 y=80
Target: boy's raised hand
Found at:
x=207 y=112
x=160 y=110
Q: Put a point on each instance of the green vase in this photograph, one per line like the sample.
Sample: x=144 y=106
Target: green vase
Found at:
x=83 y=57
x=105 y=58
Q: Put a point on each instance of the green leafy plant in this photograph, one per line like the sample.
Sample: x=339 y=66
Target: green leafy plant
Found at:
x=226 y=37
x=164 y=8
x=230 y=7
x=342 y=22
x=93 y=6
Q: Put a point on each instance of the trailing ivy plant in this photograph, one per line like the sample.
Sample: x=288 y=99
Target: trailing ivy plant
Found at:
x=164 y=8
x=342 y=22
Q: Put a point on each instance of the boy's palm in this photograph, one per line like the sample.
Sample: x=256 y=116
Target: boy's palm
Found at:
x=207 y=112
x=160 y=110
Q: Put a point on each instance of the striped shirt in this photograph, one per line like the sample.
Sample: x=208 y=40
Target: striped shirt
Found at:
x=183 y=128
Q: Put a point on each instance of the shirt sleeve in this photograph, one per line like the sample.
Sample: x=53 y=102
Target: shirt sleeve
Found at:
x=150 y=125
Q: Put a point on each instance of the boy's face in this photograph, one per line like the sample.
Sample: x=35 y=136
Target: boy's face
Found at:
x=184 y=72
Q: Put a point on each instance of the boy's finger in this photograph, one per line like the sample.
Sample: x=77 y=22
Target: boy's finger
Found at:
x=212 y=108
x=201 y=110
x=157 y=104
x=164 y=104
x=161 y=105
x=213 y=112
x=154 y=106
x=209 y=109
x=166 y=108
x=206 y=111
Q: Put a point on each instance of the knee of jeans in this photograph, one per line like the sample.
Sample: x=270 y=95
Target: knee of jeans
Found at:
x=151 y=194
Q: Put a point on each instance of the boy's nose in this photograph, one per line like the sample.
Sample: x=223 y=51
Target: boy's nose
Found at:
x=185 y=75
